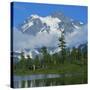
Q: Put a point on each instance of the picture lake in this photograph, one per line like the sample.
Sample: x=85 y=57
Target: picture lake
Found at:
x=39 y=80
x=48 y=47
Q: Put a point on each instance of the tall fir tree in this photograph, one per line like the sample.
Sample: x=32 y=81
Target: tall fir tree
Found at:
x=22 y=63
x=62 y=45
x=29 y=62
x=46 y=56
x=37 y=62
x=22 y=57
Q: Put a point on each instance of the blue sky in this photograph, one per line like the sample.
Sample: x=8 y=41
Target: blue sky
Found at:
x=22 y=10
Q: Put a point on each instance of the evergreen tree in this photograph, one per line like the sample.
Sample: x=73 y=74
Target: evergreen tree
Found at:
x=44 y=51
x=22 y=57
x=29 y=62
x=46 y=56
x=37 y=62
x=68 y=55
x=62 y=46
x=74 y=54
x=22 y=63
x=79 y=54
x=55 y=58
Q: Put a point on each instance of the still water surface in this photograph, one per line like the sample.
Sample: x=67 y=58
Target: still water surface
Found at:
x=39 y=80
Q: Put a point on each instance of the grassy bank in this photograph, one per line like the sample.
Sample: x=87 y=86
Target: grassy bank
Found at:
x=54 y=69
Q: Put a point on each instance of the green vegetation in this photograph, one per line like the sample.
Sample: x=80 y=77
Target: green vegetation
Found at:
x=66 y=61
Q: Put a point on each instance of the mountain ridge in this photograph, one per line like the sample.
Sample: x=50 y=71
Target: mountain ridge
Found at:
x=38 y=31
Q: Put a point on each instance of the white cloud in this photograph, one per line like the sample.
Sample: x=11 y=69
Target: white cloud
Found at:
x=22 y=40
x=79 y=36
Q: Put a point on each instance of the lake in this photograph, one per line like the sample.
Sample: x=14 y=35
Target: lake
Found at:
x=39 y=80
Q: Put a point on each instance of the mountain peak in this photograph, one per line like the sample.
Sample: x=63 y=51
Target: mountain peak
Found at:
x=54 y=22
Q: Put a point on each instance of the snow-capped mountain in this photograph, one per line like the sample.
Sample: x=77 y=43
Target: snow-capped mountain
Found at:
x=37 y=31
x=56 y=21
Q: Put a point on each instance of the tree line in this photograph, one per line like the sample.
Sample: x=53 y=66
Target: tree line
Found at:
x=75 y=55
